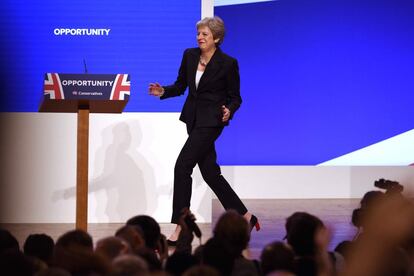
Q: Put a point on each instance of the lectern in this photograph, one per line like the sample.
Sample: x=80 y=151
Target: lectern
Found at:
x=84 y=94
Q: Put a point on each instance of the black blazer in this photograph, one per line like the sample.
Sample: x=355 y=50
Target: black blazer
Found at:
x=219 y=85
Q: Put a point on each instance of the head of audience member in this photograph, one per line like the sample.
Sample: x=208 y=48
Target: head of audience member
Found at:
x=8 y=242
x=217 y=256
x=53 y=271
x=75 y=239
x=129 y=265
x=301 y=228
x=281 y=273
x=179 y=262
x=198 y=253
x=74 y=253
x=244 y=266
x=232 y=230
x=40 y=246
x=201 y=270
x=111 y=247
x=151 y=258
x=306 y=266
x=150 y=229
x=277 y=257
x=14 y=262
x=133 y=235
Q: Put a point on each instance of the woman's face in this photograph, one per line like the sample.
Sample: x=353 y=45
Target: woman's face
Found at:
x=205 y=39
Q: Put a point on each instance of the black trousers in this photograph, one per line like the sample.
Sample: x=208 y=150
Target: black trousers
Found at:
x=200 y=149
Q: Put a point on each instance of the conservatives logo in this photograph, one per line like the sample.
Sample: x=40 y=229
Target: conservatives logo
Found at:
x=81 y=32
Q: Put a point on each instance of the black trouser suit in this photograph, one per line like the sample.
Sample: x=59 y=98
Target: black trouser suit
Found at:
x=200 y=149
x=202 y=112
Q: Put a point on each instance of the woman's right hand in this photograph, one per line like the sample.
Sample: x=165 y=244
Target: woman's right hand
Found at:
x=155 y=89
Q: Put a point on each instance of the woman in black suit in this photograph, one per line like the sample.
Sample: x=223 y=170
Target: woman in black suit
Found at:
x=213 y=98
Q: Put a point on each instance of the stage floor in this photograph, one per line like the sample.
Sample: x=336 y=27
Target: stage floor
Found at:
x=272 y=214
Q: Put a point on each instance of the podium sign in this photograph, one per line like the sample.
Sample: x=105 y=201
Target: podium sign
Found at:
x=84 y=93
x=100 y=93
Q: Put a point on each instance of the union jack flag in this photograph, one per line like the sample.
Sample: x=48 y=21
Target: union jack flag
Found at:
x=53 y=87
x=121 y=88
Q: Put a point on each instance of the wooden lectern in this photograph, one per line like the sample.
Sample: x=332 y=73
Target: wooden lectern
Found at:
x=84 y=94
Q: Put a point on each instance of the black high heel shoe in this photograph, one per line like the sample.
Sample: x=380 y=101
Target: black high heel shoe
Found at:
x=254 y=223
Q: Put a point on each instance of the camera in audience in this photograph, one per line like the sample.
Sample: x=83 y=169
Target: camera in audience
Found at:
x=389 y=185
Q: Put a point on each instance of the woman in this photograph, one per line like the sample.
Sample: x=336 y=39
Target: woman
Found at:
x=213 y=98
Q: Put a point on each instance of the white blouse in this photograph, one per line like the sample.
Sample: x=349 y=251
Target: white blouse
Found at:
x=198 y=77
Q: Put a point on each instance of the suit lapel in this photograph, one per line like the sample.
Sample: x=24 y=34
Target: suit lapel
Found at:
x=192 y=69
x=212 y=68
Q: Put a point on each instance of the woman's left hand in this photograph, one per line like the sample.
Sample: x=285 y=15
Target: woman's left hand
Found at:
x=226 y=114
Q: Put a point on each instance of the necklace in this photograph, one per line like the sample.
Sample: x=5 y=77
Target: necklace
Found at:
x=202 y=63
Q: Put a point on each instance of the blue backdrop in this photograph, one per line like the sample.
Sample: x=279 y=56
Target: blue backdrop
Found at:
x=146 y=40
x=319 y=78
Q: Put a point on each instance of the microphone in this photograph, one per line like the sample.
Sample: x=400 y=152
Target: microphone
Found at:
x=84 y=65
x=192 y=226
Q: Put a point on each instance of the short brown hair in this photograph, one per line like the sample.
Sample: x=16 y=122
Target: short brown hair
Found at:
x=216 y=26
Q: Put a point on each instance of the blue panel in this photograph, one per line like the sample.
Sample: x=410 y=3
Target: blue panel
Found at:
x=319 y=79
x=146 y=40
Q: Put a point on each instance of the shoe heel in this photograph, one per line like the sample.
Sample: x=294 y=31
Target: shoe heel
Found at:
x=254 y=223
x=257 y=226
